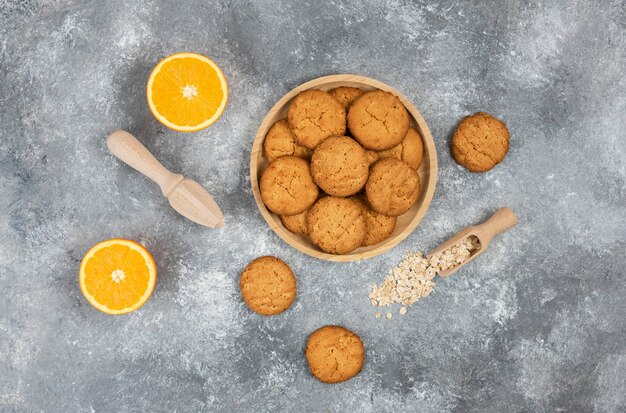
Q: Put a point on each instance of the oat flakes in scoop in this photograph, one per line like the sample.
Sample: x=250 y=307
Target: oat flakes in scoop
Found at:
x=412 y=279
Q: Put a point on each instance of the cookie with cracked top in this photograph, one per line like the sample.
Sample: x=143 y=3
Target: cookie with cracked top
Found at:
x=378 y=120
x=392 y=187
x=334 y=354
x=480 y=142
x=315 y=115
x=339 y=166
x=337 y=225
x=268 y=285
x=279 y=141
x=286 y=186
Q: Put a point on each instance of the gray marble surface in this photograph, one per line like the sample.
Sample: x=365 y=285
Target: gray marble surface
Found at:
x=537 y=324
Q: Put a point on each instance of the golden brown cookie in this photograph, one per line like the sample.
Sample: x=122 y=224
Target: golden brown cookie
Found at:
x=339 y=166
x=337 y=225
x=372 y=156
x=378 y=120
x=410 y=150
x=379 y=226
x=392 y=187
x=287 y=187
x=346 y=95
x=268 y=285
x=334 y=354
x=296 y=223
x=279 y=141
x=315 y=115
x=480 y=142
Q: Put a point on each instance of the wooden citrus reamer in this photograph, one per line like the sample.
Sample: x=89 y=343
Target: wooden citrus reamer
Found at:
x=186 y=196
x=502 y=220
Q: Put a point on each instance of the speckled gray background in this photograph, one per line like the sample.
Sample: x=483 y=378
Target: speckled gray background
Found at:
x=536 y=324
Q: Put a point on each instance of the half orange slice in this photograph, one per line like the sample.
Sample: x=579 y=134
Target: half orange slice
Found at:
x=187 y=92
x=117 y=276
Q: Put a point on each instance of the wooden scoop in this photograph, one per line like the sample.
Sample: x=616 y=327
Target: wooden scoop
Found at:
x=186 y=196
x=503 y=219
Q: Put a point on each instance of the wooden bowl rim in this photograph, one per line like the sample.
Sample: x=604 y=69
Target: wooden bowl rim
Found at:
x=285 y=234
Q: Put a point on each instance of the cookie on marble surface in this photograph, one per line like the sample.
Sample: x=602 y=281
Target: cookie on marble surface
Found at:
x=337 y=225
x=279 y=141
x=334 y=354
x=392 y=187
x=410 y=150
x=378 y=120
x=339 y=166
x=268 y=285
x=346 y=95
x=296 y=223
x=287 y=187
x=315 y=115
x=379 y=226
x=480 y=142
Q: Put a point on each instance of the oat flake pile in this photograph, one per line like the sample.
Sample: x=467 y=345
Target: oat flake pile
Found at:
x=412 y=279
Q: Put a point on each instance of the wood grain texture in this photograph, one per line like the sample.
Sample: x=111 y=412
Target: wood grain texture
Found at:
x=406 y=222
x=186 y=196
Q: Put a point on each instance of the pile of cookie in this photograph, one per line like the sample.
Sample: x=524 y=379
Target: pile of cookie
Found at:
x=342 y=167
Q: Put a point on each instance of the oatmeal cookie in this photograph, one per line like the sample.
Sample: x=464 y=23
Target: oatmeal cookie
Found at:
x=339 y=166
x=392 y=187
x=480 y=142
x=337 y=225
x=287 y=187
x=279 y=141
x=378 y=120
x=334 y=354
x=315 y=115
x=346 y=95
x=268 y=285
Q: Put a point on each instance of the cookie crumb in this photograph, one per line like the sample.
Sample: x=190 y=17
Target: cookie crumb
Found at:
x=389 y=316
x=377 y=315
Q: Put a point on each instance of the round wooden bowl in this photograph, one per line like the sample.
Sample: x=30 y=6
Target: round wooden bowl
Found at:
x=406 y=222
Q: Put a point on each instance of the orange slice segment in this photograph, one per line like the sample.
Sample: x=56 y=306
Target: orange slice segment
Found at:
x=117 y=276
x=187 y=92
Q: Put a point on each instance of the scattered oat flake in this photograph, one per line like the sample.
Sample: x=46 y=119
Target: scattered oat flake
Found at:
x=412 y=279
x=377 y=315
x=389 y=316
